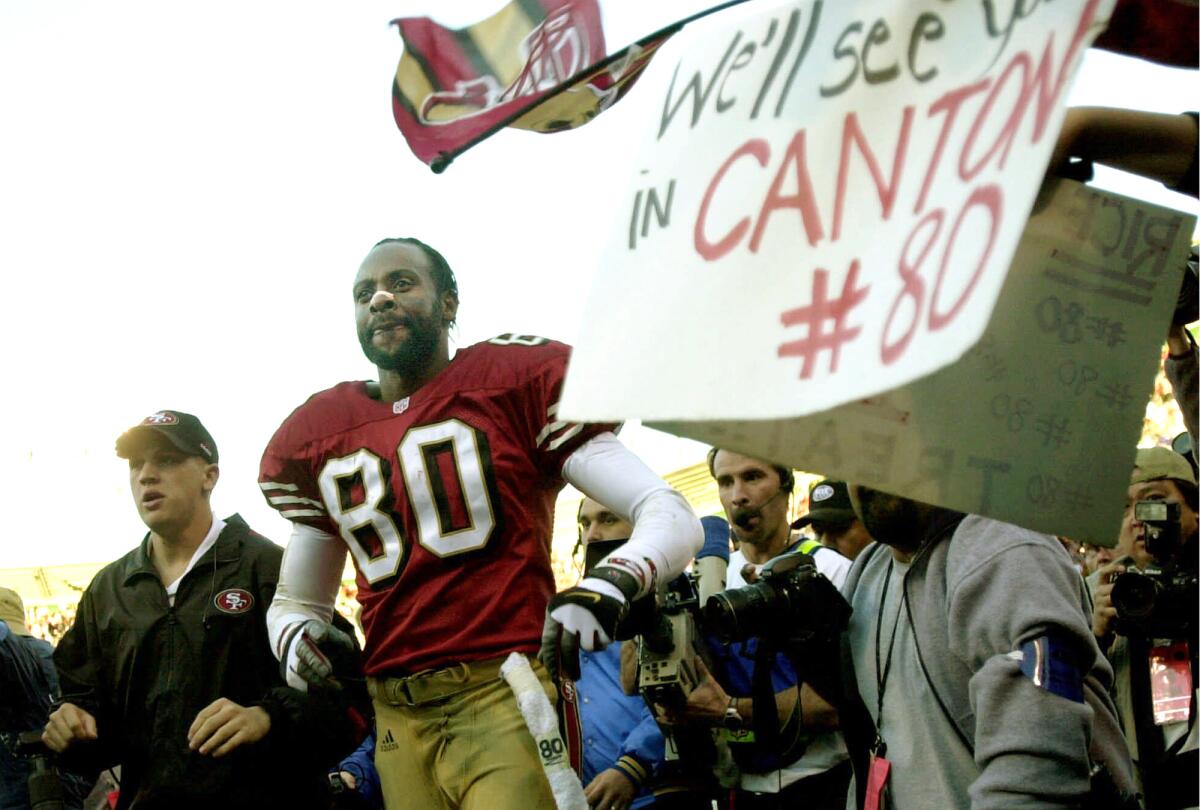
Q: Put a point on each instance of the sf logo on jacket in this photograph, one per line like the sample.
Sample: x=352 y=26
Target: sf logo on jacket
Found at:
x=234 y=600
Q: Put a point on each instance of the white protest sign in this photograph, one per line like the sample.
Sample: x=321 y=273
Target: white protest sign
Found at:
x=1037 y=424
x=826 y=203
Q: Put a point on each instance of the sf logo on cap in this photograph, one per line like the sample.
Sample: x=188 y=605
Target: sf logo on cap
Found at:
x=160 y=418
x=822 y=493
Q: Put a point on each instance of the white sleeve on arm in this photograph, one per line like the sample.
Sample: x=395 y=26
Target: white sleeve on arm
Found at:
x=308 y=584
x=666 y=532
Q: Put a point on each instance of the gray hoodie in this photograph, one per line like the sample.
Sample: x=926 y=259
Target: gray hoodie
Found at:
x=975 y=597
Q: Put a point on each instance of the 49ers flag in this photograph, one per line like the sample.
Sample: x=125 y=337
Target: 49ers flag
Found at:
x=535 y=64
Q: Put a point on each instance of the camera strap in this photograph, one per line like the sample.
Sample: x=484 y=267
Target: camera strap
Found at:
x=882 y=668
x=762 y=693
x=1149 y=737
x=768 y=731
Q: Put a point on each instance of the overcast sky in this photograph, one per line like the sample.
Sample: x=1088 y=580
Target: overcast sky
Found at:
x=186 y=192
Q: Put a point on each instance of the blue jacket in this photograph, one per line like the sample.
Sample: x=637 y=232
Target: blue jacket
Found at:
x=362 y=765
x=618 y=729
x=27 y=682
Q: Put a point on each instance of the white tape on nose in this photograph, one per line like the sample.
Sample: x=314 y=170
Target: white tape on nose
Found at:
x=380 y=298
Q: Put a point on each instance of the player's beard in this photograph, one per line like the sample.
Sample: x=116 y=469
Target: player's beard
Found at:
x=415 y=353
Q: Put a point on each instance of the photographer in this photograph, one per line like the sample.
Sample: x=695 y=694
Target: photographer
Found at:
x=806 y=765
x=1145 y=629
x=972 y=657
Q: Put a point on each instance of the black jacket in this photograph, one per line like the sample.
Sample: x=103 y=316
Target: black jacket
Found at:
x=145 y=669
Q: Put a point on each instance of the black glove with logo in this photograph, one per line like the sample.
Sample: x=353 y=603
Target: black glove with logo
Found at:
x=589 y=614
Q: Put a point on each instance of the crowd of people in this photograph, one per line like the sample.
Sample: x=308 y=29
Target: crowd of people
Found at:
x=207 y=665
x=875 y=652
x=50 y=622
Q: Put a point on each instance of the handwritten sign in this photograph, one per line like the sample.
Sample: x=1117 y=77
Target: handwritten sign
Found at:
x=825 y=206
x=1038 y=423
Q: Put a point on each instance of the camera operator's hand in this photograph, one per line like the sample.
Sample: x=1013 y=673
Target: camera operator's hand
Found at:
x=68 y=724
x=1103 y=612
x=324 y=653
x=629 y=668
x=223 y=725
x=708 y=702
x=706 y=705
x=610 y=790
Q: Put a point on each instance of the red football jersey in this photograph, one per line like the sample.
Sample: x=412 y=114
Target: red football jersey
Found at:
x=445 y=499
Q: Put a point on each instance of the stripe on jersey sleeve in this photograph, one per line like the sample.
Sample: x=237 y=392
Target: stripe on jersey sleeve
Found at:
x=291 y=506
x=556 y=433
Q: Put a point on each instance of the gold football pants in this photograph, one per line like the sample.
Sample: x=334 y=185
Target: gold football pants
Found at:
x=454 y=739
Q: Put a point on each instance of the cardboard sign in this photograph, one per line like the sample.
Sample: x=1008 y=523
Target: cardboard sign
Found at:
x=826 y=204
x=1037 y=424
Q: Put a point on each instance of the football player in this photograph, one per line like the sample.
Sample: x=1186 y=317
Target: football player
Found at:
x=440 y=479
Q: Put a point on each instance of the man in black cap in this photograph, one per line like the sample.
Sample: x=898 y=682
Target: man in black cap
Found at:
x=168 y=670
x=833 y=520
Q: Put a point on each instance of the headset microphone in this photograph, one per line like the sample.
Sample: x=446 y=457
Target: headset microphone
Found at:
x=743 y=517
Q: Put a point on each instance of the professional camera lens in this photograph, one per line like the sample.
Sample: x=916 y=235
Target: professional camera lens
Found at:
x=1134 y=596
x=741 y=613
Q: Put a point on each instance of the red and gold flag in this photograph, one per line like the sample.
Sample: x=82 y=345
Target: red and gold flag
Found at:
x=540 y=65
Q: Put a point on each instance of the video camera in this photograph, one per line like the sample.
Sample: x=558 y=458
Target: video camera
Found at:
x=668 y=646
x=45 y=788
x=1159 y=601
x=792 y=603
x=668 y=627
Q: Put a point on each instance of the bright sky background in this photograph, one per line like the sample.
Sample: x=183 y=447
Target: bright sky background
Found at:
x=186 y=193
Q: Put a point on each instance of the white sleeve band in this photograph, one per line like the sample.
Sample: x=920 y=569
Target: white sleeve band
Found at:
x=666 y=532
x=309 y=577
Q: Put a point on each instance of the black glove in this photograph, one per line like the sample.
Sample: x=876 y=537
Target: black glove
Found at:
x=324 y=654
x=588 y=618
x=548 y=652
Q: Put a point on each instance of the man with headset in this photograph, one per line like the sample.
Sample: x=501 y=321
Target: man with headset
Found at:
x=810 y=765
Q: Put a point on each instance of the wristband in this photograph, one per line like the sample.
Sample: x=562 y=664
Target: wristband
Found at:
x=625 y=582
